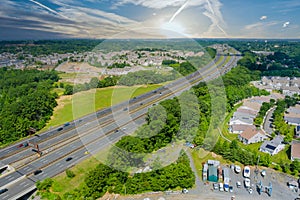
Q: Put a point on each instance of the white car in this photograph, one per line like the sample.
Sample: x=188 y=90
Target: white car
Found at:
x=237 y=169
x=250 y=190
x=247 y=182
x=221 y=187
x=247 y=172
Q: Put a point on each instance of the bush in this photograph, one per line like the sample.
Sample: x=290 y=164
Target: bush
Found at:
x=70 y=174
x=45 y=184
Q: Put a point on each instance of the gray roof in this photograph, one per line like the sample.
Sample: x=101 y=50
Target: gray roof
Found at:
x=292 y=120
x=271 y=145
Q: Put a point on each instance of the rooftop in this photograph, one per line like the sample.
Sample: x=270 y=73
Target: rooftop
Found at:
x=250 y=132
x=295 y=149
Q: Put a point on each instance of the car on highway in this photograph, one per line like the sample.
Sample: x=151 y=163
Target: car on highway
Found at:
x=36 y=172
x=246 y=173
x=237 y=169
x=59 y=129
x=69 y=158
x=3 y=190
x=125 y=109
x=247 y=183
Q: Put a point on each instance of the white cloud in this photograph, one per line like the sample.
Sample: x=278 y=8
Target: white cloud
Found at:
x=264 y=17
x=212 y=10
x=285 y=24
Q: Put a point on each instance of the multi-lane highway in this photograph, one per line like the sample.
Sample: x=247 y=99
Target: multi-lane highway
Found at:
x=90 y=133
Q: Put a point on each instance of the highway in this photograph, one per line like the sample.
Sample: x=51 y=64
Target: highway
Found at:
x=92 y=132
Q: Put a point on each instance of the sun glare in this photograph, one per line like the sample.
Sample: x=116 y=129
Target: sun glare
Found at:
x=172 y=29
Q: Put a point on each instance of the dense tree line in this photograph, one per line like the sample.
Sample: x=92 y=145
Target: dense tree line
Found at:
x=94 y=83
x=26 y=102
x=183 y=68
x=278 y=64
x=104 y=179
x=146 y=77
x=47 y=47
x=233 y=152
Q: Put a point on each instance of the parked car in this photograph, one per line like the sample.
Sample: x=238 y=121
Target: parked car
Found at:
x=216 y=186
x=263 y=173
x=230 y=189
x=250 y=190
x=247 y=183
x=237 y=169
x=226 y=187
x=221 y=187
x=247 y=172
x=238 y=184
x=185 y=191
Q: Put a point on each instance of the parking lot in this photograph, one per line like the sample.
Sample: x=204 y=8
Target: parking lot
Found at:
x=278 y=181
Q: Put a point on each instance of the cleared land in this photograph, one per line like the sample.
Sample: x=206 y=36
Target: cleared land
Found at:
x=83 y=103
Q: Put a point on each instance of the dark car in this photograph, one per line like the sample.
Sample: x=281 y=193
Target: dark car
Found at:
x=36 y=172
x=69 y=158
x=125 y=109
x=3 y=190
x=59 y=129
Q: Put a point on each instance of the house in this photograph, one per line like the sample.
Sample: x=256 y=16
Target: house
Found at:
x=292 y=119
x=295 y=150
x=241 y=118
x=272 y=147
x=251 y=135
x=212 y=174
x=239 y=128
x=297 y=131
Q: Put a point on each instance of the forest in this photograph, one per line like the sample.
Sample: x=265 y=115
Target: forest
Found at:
x=26 y=102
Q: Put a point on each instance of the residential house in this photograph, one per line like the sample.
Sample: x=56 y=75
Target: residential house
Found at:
x=241 y=118
x=273 y=146
x=251 y=135
x=295 y=150
x=239 y=128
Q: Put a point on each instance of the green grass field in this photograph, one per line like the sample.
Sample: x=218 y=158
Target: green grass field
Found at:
x=83 y=103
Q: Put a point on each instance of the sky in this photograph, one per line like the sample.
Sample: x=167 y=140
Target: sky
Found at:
x=96 y=19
